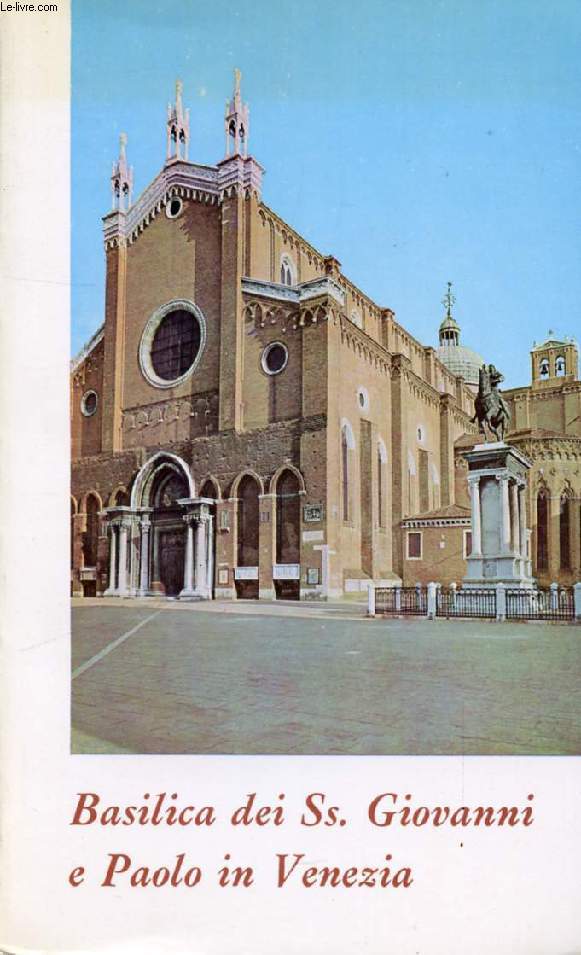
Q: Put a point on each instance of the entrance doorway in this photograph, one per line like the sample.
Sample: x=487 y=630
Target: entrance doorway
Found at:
x=171 y=560
x=169 y=532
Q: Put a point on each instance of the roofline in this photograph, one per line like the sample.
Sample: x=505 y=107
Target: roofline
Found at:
x=88 y=348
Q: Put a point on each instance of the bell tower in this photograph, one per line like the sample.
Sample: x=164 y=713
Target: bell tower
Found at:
x=553 y=360
x=236 y=122
x=122 y=179
x=178 y=127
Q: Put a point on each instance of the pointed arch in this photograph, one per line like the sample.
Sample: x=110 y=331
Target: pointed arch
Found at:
x=145 y=476
x=119 y=496
x=279 y=471
x=83 y=503
x=348 y=430
x=250 y=473
x=210 y=479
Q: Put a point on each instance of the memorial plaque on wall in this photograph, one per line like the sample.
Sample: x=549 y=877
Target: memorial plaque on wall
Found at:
x=313 y=513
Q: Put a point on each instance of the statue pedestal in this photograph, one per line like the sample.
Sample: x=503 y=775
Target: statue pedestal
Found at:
x=497 y=479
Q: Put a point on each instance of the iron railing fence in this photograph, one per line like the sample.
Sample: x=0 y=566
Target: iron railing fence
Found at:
x=540 y=604
x=401 y=600
x=466 y=603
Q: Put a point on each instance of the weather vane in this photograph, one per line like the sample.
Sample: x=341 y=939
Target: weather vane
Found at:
x=449 y=300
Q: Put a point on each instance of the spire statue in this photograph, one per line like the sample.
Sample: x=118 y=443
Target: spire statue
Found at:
x=236 y=122
x=178 y=127
x=122 y=178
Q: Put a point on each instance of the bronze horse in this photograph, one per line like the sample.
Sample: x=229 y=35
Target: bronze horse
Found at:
x=491 y=408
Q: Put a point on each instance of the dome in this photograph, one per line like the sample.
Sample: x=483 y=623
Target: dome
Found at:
x=461 y=360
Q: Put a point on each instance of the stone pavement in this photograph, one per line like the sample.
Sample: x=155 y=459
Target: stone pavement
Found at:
x=293 y=678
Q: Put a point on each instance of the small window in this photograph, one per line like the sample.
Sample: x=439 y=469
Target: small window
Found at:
x=560 y=366
x=173 y=208
x=89 y=403
x=274 y=358
x=414 y=545
x=421 y=433
x=363 y=399
x=467 y=544
x=544 y=368
x=286 y=271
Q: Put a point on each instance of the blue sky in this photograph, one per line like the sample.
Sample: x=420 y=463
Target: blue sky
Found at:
x=416 y=141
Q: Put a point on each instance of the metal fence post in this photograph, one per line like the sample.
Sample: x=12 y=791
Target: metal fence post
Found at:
x=371 y=600
x=432 y=601
x=577 y=599
x=500 y=602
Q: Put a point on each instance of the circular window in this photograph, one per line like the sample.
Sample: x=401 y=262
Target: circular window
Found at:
x=173 y=208
x=274 y=358
x=89 y=403
x=172 y=343
x=363 y=399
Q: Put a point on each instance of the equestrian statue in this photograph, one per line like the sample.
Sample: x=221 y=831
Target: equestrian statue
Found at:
x=491 y=408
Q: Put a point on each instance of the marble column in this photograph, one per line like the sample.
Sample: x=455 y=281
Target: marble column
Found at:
x=144 y=573
x=522 y=514
x=514 y=518
x=474 y=484
x=111 y=589
x=189 y=558
x=122 y=579
x=201 y=573
x=210 y=555
x=505 y=515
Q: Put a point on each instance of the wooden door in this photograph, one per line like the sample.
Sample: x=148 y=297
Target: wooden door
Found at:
x=171 y=560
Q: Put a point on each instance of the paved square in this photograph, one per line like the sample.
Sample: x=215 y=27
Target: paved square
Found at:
x=249 y=678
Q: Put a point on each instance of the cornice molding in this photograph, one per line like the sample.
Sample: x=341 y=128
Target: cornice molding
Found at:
x=87 y=349
x=296 y=294
x=210 y=185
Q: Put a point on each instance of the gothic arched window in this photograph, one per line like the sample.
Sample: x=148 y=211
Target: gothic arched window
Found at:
x=381 y=461
x=345 y=474
x=564 y=525
x=560 y=366
x=542 y=532
x=544 y=368
x=286 y=271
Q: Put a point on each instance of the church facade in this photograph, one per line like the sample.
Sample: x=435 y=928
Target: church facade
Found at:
x=247 y=423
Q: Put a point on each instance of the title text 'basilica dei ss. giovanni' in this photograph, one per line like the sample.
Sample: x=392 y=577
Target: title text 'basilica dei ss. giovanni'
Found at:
x=248 y=423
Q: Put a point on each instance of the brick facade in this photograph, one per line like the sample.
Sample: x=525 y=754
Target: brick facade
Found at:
x=364 y=415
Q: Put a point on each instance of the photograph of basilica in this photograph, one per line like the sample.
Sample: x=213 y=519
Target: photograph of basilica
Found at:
x=249 y=424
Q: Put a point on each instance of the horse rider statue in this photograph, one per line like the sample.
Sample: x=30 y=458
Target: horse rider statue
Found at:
x=491 y=408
